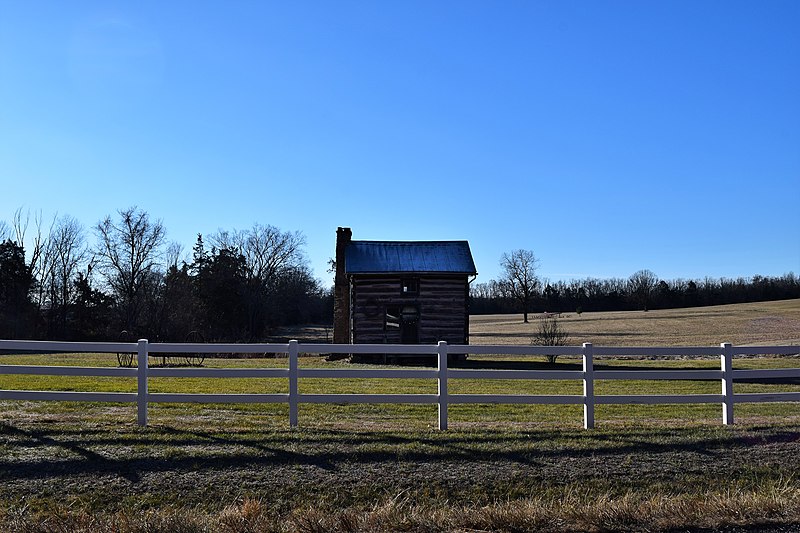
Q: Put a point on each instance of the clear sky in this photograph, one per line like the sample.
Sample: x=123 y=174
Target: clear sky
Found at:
x=606 y=136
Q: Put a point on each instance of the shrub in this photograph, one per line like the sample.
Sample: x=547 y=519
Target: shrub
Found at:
x=550 y=333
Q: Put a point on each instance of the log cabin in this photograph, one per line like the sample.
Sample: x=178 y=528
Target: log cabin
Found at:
x=401 y=292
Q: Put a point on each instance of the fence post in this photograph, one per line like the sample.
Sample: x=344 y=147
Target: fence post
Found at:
x=726 y=363
x=141 y=377
x=293 y=373
x=588 y=385
x=441 y=350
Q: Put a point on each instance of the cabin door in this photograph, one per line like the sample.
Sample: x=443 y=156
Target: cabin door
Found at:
x=409 y=325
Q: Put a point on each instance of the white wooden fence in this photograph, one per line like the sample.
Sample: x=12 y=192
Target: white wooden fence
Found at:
x=727 y=398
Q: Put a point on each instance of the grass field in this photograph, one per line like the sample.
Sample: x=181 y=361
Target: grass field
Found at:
x=752 y=323
x=87 y=467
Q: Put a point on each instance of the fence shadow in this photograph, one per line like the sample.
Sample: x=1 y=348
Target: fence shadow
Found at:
x=132 y=454
x=569 y=365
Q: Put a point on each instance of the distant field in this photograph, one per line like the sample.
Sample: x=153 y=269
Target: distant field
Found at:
x=770 y=323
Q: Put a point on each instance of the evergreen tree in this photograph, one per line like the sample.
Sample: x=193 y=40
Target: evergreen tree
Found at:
x=16 y=282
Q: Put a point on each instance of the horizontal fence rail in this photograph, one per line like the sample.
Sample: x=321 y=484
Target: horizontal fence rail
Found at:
x=293 y=349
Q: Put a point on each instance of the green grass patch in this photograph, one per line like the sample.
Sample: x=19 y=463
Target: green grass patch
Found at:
x=423 y=416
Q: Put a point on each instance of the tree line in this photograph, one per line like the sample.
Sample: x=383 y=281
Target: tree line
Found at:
x=236 y=285
x=240 y=285
x=519 y=289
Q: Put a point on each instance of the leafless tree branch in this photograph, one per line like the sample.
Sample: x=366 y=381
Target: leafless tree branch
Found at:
x=519 y=279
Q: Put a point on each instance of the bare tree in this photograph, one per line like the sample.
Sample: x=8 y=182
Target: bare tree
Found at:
x=20 y=224
x=128 y=252
x=267 y=250
x=64 y=256
x=268 y=254
x=483 y=290
x=36 y=250
x=641 y=285
x=174 y=254
x=519 y=279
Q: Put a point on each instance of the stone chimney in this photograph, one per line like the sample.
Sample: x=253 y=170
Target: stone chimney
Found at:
x=341 y=290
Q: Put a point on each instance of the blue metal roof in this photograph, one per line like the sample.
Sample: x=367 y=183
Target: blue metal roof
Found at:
x=376 y=257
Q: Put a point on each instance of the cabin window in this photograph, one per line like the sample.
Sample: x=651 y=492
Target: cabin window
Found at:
x=410 y=285
x=405 y=319
x=392 y=317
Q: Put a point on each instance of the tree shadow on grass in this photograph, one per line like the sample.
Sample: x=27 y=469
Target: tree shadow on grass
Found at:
x=489 y=364
x=130 y=454
x=599 y=365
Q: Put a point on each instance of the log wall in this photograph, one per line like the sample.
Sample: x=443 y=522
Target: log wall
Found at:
x=441 y=300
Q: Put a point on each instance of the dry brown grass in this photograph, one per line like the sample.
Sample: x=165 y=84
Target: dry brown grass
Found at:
x=630 y=512
x=770 y=323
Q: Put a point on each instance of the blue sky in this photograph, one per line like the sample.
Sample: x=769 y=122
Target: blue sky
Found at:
x=605 y=136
